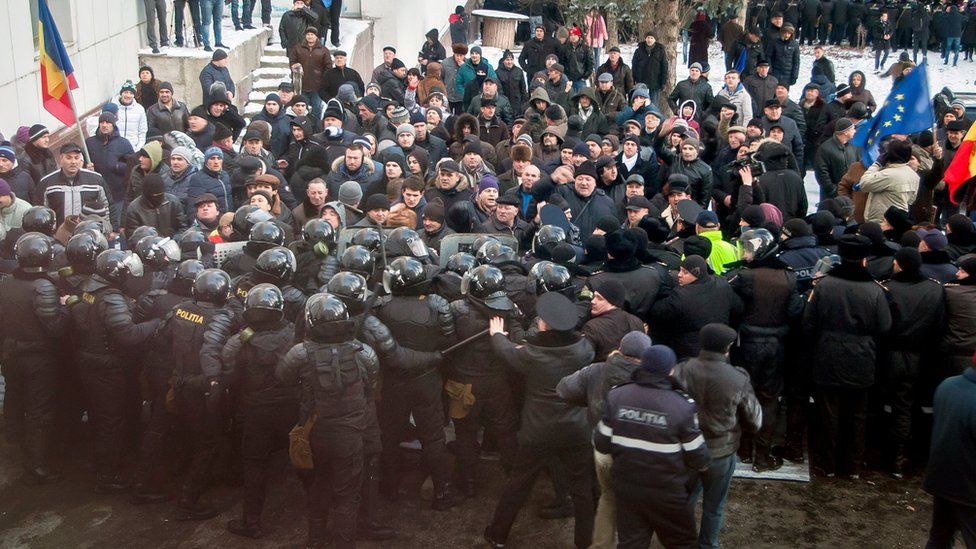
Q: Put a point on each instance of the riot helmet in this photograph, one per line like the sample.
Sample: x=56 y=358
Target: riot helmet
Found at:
x=139 y=233
x=403 y=273
x=34 y=252
x=546 y=238
x=248 y=216
x=186 y=275
x=40 y=219
x=323 y=312
x=114 y=266
x=487 y=284
x=83 y=248
x=212 y=286
x=264 y=304
x=276 y=266
x=358 y=259
x=547 y=276
x=757 y=244
x=460 y=263
x=369 y=238
x=158 y=251
x=404 y=241
x=349 y=287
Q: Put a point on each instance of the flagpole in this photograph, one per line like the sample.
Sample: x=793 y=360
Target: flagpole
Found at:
x=81 y=133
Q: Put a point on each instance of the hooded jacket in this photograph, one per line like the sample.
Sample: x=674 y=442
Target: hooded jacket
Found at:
x=741 y=99
x=280 y=129
x=109 y=153
x=432 y=50
x=468 y=72
x=132 y=123
x=593 y=118
x=154 y=150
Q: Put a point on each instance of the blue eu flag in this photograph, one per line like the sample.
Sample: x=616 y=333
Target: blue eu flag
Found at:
x=908 y=109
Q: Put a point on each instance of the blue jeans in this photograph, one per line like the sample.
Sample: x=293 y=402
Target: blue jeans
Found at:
x=178 y=7
x=314 y=103
x=715 y=485
x=211 y=11
x=951 y=45
x=578 y=85
x=596 y=60
x=235 y=13
x=684 y=46
x=248 y=13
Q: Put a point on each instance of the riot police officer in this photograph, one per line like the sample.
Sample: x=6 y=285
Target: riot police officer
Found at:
x=351 y=289
x=266 y=408
x=447 y=283
x=263 y=236
x=477 y=371
x=516 y=275
x=274 y=266
x=195 y=332
x=315 y=255
x=421 y=322
x=32 y=318
x=360 y=260
x=160 y=256
x=329 y=364
x=108 y=338
x=158 y=369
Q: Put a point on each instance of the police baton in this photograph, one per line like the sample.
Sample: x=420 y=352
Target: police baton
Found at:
x=464 y=342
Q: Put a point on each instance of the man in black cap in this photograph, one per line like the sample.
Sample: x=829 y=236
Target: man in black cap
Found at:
x=505 y=220
x=550 y=427
x=792 y=138
x=72 y=190
x=701 y=298
x=834 y=157
x=216 y=71
x=761 y=85
x=727 y=407
x=651 y=431
x=836 y=108
x=846 y=313
x=608 y=321
x=587 y=202
x=635 y=209
x=449 y=186
x=918 y=310
x=644 y=284
x=677 y=189
x=377 y=209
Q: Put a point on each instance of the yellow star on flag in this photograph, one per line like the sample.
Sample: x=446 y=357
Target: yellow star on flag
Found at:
x=901 y=108
x=900 y=96
x=887 y=123
x=897 y=117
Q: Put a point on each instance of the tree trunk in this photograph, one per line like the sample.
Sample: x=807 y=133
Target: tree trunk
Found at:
x=663 y=16
x=611 y=19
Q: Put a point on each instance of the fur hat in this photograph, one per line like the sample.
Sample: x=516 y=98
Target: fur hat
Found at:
x=520 y=152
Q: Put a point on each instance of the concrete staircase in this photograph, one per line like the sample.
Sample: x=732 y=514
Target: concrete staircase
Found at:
x=274 y=69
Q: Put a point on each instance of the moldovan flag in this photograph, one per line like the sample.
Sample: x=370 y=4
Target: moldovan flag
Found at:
x=963 y=164
x=56 y=72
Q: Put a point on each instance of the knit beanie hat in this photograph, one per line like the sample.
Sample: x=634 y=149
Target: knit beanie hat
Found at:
x=658 y=359
x=182 y=152
x=350 y=193
x=488 y=181
x=434 y=210
x=634 y=344
x=5 y=188
x=611 y=290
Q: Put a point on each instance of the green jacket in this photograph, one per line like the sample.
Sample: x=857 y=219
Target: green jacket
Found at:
x=722 y=254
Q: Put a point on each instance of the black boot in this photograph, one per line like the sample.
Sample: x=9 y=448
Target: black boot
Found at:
x=190 y=508
x=36 y=445
x=246 y=529
x=766 y=461
x=147 y=489
x=444 y=498
x=899 y=463
x=368 y=526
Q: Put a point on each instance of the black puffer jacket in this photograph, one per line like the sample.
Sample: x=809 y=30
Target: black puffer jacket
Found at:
x=645 y=284
x=846 y=314
x=544 y=359
x=784 y=60
x=577 y=60
x=725 y=399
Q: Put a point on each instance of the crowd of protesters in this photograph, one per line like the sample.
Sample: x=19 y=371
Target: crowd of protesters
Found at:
x=622 y=284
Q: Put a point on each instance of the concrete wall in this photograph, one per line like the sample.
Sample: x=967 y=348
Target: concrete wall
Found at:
x=183 y=72
x=102 y=38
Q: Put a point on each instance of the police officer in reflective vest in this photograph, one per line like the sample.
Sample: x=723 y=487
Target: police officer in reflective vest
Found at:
x=31 y=321
x=651 y=430
x=330 y=365
x=195 y=332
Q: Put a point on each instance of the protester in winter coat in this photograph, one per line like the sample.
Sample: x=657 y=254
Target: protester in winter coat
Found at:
x=211 y=179
x=650 y=65
x=891 y=183
x=845 y=315
x=784 y=57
